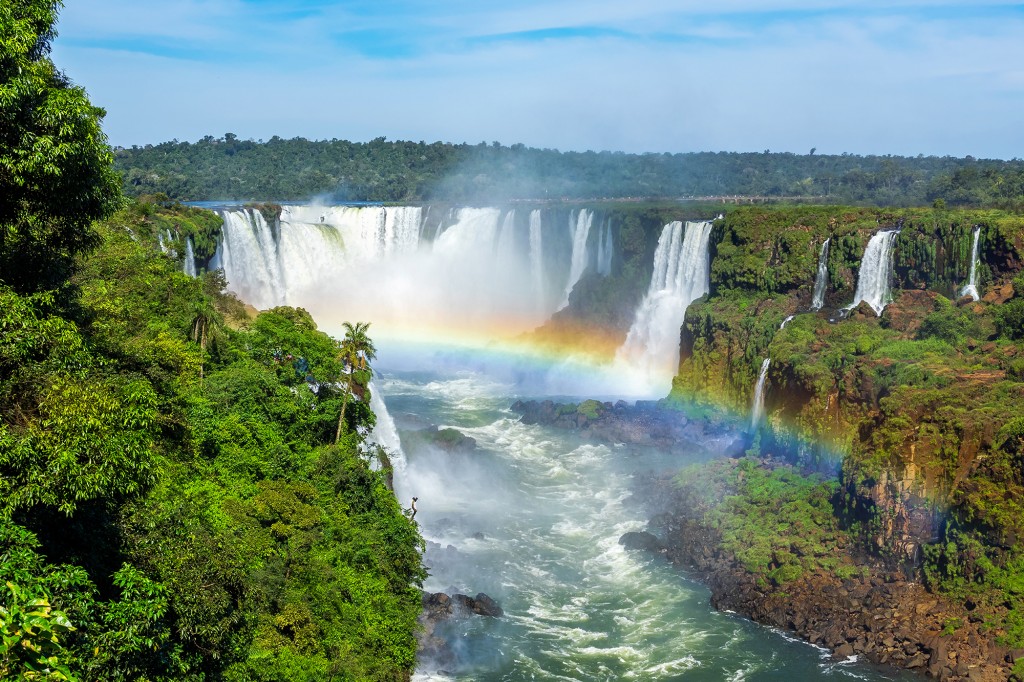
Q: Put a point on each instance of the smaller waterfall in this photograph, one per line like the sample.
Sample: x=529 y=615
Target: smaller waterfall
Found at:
x=758 y=407
x=681 y=275
x=972 y=281
x=786 y=321
x=584 y=219
x=873 y=281
x=537 y=258
x=190 y=259
x=384 y=431
x=605 y=250
x=821 y=280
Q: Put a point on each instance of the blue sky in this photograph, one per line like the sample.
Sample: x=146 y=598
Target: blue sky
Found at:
x=867 y=77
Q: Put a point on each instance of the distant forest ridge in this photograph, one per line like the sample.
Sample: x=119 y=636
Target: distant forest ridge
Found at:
x=338 y=170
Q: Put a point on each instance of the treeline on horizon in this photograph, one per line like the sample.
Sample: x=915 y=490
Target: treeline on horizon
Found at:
x=402 y=171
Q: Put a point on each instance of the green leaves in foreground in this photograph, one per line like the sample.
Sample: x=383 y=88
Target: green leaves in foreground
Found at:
x=30 y=634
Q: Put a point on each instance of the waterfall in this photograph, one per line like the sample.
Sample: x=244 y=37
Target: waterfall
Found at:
x=384 y=431
x=972 y=282
x=821 y=280
x=681 y=275
x=873 y=281
x=786 y=321
x=190 y=259
x=605 y=250
x=537 y=258
x=757 y=410
x=584 y=219
x=481 y=277
x=249 y=256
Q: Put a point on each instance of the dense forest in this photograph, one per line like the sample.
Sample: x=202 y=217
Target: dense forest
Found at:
x=185 y=489
x=229 y=168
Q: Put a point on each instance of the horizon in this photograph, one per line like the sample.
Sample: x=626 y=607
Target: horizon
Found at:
x=897 y=77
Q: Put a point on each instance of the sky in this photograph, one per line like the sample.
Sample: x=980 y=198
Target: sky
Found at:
x=903 y=77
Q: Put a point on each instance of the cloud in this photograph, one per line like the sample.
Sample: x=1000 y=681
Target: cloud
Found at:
x=902 y=77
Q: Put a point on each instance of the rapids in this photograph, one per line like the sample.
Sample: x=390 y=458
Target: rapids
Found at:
x=532 y=518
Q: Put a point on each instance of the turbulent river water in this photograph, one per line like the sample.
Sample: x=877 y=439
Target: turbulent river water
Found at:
x=532 y=518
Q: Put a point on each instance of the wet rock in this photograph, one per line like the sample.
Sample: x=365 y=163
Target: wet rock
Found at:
x=641 y=540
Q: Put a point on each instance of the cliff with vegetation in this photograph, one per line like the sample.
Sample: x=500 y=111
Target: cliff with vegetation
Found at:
x=183 y=494
x=918 y=409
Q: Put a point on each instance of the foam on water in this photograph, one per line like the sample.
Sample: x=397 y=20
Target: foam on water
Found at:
x=534 y=517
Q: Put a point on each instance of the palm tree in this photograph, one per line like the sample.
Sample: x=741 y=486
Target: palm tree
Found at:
x=356 y=352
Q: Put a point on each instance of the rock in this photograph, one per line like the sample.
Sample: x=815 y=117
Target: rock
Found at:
x=918 y=660
x=485 y=606
x=641 y=540
x=844 y=651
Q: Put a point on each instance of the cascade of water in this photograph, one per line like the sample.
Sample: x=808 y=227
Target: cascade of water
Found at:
x=681 y=275
x=821 y=280
x=971 y=289
x=402 y=229
x=537 y=258
x=757 y=410
x=507 y=236
x=384 y=431
x=605 y=249
x=190 y=259
x=584 y=219
x=873 y=281
x=786 y=321
x=249 y=256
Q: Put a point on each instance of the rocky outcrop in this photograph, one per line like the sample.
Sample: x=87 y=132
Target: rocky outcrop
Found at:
x=878 y=615
x=646 y=423
x=438 y=609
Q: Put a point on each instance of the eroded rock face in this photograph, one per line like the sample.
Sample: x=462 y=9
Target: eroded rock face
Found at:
x=880 y=616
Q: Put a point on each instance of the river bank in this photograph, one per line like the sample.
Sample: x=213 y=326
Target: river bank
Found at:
x=812 y=582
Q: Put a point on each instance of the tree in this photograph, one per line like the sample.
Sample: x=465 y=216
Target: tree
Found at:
x=356 y=352
x=56 y=170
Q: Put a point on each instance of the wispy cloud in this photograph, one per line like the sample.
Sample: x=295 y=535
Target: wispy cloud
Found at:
x=900 y=76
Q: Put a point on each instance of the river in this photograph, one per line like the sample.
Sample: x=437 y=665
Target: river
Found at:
x=532 y=518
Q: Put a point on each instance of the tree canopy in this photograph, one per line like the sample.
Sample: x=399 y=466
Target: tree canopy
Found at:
x=56 y=176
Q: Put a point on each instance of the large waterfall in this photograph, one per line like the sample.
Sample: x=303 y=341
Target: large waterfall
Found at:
x=465 y=275
x=972 y=282
x=874 y=280
x=821 y=280
x=681 y=275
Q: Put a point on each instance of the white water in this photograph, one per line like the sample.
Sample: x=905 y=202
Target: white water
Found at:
x=537 y=259
x=384 y=432
x=821 y=280
x=486 y=275
x=532 y=518
x=681 y=275
x=971 y=289
x=580 y=253
x=605 y=250
x=786 y=321
x=190 y=259
x=874 y=280
x=757 y=410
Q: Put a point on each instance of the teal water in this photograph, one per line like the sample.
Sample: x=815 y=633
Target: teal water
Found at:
x=532 y=518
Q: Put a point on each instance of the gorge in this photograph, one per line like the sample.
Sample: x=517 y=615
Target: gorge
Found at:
x=528 y=288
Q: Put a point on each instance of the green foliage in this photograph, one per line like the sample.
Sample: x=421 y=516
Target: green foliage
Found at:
x=379 y=170
x=30 y=636
x=950 y=324
x=55 y=168
x=775 y=521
